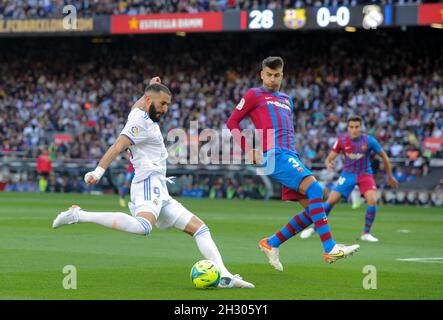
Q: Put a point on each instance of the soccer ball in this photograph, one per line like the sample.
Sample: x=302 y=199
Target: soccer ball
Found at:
x=205 y=274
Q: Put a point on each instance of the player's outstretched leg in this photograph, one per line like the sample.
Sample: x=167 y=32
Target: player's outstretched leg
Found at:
x=194 y=226
x=113 y=220
x=210 y=251
x=270 y=246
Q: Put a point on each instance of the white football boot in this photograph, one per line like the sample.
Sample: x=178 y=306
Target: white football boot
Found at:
x=307 y=233
x=340 y=251
x=368 y=237
x=235 y=281
x=271 y=253
x=66 y=217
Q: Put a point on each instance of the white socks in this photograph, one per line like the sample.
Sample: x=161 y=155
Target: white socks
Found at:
x=116 y=220
x=208 y=248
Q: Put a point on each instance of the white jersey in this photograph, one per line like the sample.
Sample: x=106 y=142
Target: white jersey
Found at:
x=148 y=151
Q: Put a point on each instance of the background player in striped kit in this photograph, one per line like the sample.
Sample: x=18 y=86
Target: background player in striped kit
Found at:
x=357 y=170
x=272 y=112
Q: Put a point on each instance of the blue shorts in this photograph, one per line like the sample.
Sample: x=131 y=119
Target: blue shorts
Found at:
x=286 y=169
x=347 y=182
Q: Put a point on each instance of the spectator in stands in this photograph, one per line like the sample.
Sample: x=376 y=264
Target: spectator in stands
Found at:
x=43 y=93
x=217 y=191
x=413 y=174
x=53 y=184
x=399 y=174
x=44 y=168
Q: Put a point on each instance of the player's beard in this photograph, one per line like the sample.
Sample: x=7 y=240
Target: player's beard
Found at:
x=153 y=114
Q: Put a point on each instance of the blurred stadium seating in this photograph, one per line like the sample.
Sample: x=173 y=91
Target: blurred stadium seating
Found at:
x=71 y=96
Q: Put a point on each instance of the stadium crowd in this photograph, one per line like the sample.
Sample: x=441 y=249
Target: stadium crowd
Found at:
x=25 y=9
x=73 y=101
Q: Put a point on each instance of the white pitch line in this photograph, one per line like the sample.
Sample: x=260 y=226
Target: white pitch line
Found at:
x=423 y=260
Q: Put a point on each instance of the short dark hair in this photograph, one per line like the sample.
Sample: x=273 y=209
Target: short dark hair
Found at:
x=158 y=87
x=355 y=118
x=273 y=63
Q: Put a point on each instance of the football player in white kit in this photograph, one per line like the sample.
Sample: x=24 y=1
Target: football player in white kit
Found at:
x=150 y=203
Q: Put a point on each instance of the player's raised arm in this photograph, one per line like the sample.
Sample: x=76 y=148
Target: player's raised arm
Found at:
x=155 y=80
x=121 y=144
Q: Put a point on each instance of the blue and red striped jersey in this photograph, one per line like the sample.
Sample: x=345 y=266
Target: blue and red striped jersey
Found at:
x=357 y=153
x=270 y=111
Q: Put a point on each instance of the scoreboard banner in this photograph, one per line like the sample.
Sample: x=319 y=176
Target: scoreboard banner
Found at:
x=159 y=23
x=314 y=18
x=311 y=18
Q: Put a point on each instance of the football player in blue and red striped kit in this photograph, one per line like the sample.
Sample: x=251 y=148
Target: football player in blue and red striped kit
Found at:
x=357 y=171
x=272 y=112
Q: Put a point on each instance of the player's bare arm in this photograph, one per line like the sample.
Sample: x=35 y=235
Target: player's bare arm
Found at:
x=329 y=162
x=388 y=168
x=121 y=144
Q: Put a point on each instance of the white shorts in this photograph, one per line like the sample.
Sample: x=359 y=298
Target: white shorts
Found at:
x=151 y=195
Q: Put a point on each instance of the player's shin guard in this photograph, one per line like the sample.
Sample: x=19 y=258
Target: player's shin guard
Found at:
x=117 y=221
x=369 y=218
x=317 y=212
x=208 y=248
x=294 y=226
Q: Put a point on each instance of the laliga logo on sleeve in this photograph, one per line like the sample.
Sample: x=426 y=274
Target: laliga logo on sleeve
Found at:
x=373 y=17
x=240 y=104
x=134 y=131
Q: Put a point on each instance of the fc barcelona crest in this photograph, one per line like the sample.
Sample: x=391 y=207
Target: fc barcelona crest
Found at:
x=364 y=148
x=295 y=18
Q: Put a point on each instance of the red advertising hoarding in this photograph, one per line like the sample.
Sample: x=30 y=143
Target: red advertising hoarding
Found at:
x=160 y=23
x=434 y=144
x=430 y=13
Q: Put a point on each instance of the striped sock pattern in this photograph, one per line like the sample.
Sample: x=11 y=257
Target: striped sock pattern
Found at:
x=298 y=223
x=145 y=224
x=369 y=218
x=204 y=228
x=318 y=216
x=328 y=209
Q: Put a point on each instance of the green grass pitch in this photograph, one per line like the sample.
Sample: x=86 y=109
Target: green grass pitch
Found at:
x=116 y=265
